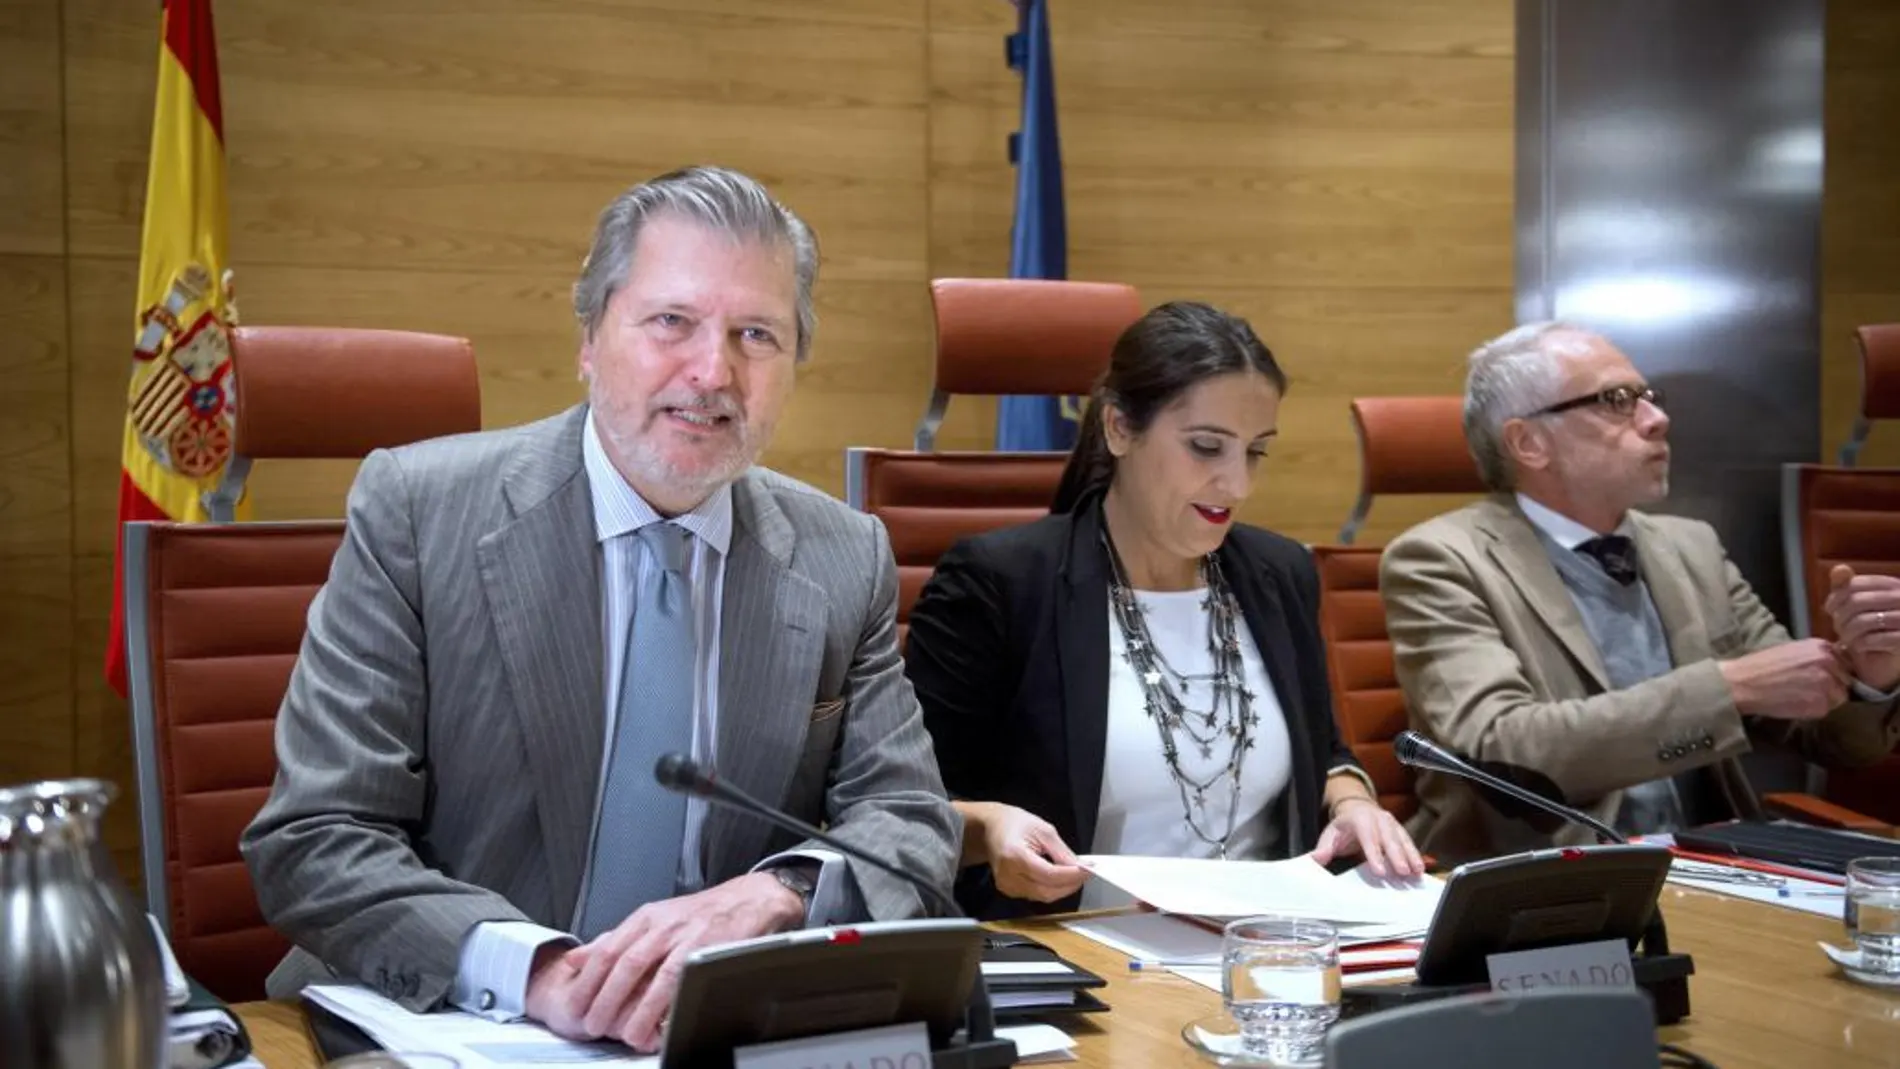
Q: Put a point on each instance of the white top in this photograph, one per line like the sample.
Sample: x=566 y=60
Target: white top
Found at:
x=1141 y=811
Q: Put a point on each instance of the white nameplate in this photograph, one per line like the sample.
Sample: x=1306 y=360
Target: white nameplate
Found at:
x=1605 y=963
x=898 y=1046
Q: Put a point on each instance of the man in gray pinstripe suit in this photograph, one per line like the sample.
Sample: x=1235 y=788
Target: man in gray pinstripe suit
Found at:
x=455 y=739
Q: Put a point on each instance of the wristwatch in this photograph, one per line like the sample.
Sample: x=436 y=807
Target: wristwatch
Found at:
x=799 y=880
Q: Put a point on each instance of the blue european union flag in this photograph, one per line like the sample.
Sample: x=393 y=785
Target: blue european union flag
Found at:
x=1039 y=243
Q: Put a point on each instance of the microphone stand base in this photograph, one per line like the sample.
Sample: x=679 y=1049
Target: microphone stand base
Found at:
x=1663 y=977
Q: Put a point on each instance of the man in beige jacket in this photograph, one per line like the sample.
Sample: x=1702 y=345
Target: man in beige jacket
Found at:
x=1611 y=659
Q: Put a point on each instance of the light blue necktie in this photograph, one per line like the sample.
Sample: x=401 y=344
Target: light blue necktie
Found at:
x=637 y=839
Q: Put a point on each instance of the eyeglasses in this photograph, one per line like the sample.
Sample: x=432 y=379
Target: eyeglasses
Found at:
x=1621 y=400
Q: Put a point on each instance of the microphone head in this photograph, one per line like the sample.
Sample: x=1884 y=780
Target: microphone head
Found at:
x=678 y=772
x=1416 y=750
x=1405 y=746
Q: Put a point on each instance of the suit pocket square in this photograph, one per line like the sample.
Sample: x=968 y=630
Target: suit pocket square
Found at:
x=827 y=710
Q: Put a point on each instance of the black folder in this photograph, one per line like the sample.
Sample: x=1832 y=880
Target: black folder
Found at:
x=1057 y=986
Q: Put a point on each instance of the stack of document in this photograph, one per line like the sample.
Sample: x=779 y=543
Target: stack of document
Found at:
x=1804 y=890
x=1380 y=920
x=1027 y=978
x=474 y=1042
x=201 y=1032
x=478 y=1043
x=1298 y=887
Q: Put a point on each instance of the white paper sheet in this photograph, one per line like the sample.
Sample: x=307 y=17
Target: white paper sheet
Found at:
x=479 y=1043
x=1298 y=887
x=475 y=1042
x=1819 y=897
x=1159 y=937
x=1027 y=968
x=1807 y=896
x=1149 y=936
x=1037 y=1043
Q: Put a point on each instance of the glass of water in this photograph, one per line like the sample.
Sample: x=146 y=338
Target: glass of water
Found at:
x=1280 y=983
x=1873 y=912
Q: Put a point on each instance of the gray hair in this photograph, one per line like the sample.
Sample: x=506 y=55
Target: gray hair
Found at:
x=716 y=198
x=1510 y=377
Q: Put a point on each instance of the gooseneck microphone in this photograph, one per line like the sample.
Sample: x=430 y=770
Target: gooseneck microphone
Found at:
x=1416 y=750
x=681 y=774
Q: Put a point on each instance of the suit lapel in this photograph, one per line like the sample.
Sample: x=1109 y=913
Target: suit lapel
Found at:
x=771 y=650
x=1266 y=620
x=1683 y=624
x=541 y=574
x=1083 y=655
x=1524 y=559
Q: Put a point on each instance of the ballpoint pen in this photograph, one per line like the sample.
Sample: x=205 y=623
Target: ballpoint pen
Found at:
x=1138 y=964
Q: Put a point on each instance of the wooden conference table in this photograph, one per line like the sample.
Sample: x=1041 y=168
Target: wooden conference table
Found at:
x=1763 y=996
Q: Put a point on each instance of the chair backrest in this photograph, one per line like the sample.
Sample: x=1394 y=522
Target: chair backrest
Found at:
x=215 y=617
x=1879 y=345
x=998 y=336
x=337 y=392
x=1368 y=705
x=1555 y=1029
x=1409 y=445
x=929 y=500
x=1849 y=516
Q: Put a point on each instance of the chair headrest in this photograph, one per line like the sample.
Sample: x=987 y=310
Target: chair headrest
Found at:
x=336 y=392
x=1414 y=445
x=1879 y=370
x=1027 y=336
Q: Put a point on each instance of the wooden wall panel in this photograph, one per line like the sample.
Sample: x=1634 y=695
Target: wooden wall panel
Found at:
x=1860 y=214
x=102 y=726
x=1340 y=174
x=33 y=180
x=36 y=698
x=100 y=292
x=1342 y=177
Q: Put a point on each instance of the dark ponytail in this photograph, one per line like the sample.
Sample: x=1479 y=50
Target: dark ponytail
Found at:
x=1091 y=465
x=1156 y=360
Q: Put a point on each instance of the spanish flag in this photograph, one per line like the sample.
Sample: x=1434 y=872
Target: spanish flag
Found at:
x=179 y=404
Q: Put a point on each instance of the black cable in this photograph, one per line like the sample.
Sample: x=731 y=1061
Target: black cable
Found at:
x=1673 y=1055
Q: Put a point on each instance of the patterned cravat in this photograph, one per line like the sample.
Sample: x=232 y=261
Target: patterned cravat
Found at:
x=1617 y=555
x=637 y=838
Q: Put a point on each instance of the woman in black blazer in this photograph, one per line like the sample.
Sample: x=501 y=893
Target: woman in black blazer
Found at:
x=1136 y=673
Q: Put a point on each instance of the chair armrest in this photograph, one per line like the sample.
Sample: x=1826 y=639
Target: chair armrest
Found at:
x=1811 y=810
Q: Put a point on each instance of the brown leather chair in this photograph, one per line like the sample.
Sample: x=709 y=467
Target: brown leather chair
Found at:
x=1368 y=705
x=994 y=337
x=215 y=617
x=929 y=500
x=999 y=336
x=1846 y=515
x=1407 y=445
x=1879 y=345
x=315 y=393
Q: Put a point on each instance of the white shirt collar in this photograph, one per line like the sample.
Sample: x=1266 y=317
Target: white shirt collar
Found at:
x=620 y=510
x=1562 y=530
